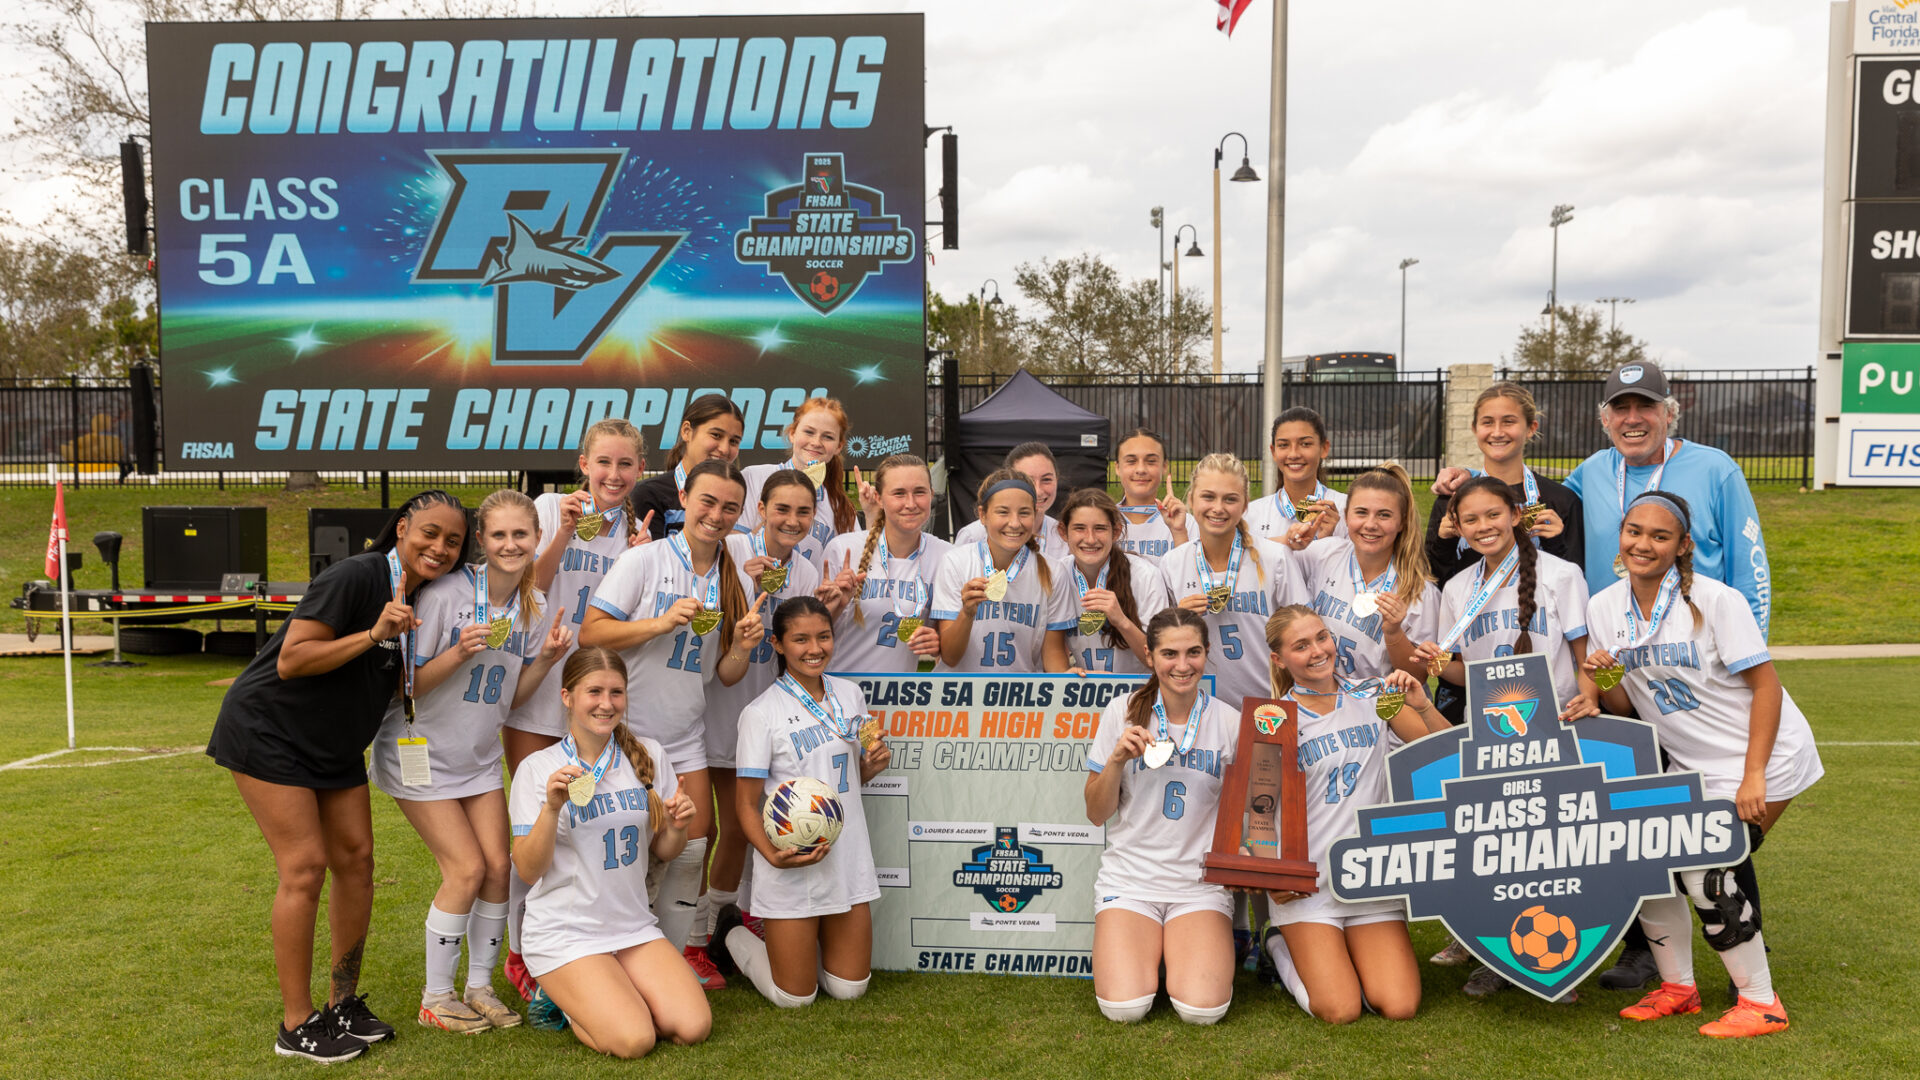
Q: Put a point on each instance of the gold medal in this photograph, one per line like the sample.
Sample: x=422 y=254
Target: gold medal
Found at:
x=1389 y=703
x=869 y=734
x=1439 y=664
x=580 y=789
x=816 y=472
x=997 y=586
x=1619 y=566
x=1530 y=514
x=907 y=627
x=1307 y=509
x=589 y=525
x=1218 y=597
x=773 y=579
x=1091 y=622
x=1607 y=678
x=498 y=630
x=704 y=621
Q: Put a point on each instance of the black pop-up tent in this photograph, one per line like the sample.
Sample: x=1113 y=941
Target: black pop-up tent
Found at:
x=1024 y=410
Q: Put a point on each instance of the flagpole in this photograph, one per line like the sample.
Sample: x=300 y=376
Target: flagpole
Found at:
x=66 y=631
x=1271 y=398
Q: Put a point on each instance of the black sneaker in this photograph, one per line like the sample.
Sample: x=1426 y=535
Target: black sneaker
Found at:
x=724 y=920
x=1634 y=970
x=354 y=1018
x=318 y=1039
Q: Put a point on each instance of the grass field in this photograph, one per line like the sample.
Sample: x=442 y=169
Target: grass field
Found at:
x=133 y=926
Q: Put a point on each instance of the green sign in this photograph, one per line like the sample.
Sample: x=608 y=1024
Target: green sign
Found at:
x=1880 y=378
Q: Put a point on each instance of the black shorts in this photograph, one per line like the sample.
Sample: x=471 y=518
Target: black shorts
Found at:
x=263 y=756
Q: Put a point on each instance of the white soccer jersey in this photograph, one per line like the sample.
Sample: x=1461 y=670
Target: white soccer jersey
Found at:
x=1343 y=753
x=1053 y=539
x=1095 y=652
x=460 y=718
x=1007 y=634
x=1269 y=577
x=593 y=897
x=1159 y=835
x=1333 y=577
x=780 y=738
x=725 y=702
x=1686 y=681
x=810 y=548
x=1148 y=537
x=1560 y=616
x=1270 y=517
x=667 y=675
x=582 y=566
x=897 y=587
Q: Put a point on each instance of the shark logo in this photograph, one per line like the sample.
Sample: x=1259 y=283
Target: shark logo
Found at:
x=554 y=294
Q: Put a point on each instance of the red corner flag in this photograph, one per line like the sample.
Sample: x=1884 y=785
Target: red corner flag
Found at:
x=56 y=532
x=1229 y=15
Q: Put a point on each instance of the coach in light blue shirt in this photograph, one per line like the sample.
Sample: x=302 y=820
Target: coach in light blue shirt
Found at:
x=1638 y=413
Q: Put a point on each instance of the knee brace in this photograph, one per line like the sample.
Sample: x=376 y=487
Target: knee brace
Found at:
x=1125 y=1012
x=842 y=989
x=1726 y=918
x=1194 y=1014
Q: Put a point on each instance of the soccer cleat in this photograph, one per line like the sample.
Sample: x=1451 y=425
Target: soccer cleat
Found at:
x=754 y=925
x=1667 y=999
x=704 y=969
x=318 y=1039
x=481 y=999
x=543 y=1014
x=519 y=976
x=718 y=954
x=1484 y=982
x=448 y=1013
x=1453 y=955
x=1748 y=1018
x=354 y=1018
x=1634 y=970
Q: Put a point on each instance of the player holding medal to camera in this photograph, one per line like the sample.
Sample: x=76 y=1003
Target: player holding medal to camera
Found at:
x=1336 y=957
x=1686 y=654
x=1156 y=520
x=442 y=764
x=1300 y=448
x=814 y=899
x=1371 y=585
x=590 y=814
x=997 y=603
x=818 y=434
x=886 y=575
x=679 y=616
x=1117 y=593
x=1153 y=779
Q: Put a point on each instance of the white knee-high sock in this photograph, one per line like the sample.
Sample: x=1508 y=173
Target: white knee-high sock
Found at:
x=1194 y=1014
x=444 y=931
x=516 y=909
x=1669 y=926
x=841 y=989
x=744 y=893
x=702 y=921
x=1125 y=1012
x=486 y=931
x=716 y=900
x=1289 y=975
x=680 y=892
x=750 y=955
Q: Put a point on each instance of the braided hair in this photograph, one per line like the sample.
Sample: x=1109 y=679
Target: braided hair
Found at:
x=1140 y=702
x=389 y=536
x=619 y=428
x=1529 y=558
x=1683 y=558
x=878 y=528
x=588 y=660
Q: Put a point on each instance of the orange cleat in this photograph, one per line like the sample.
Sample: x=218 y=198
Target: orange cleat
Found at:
x=1667 y=999
x=1748 y=1018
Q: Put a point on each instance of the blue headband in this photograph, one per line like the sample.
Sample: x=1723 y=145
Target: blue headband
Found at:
x=1660 y=499
x=1011 y=482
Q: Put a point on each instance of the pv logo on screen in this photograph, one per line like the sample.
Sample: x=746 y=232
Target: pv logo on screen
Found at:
x=824 y=236
x=1007 y=873
x=519 y=222
x=1533 y=840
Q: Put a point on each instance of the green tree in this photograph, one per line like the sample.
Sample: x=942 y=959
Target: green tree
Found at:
x=1090 y=321
x=996 y=346
x=59 y=316
x=1578 y=341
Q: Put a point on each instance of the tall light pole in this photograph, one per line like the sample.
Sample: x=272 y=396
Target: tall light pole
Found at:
x=1562 y=214
x=1242 y=175
x=1271 y=393
x=1173 y=300
x=980 y=327
x=1613 y=307
x=1404 y=263
x=1158 y=219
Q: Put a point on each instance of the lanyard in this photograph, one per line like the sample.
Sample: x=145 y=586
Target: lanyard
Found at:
x=1080 y=580
x=1384 y=583
x=1281 y=500
x=1620 y=475
x=483 y=601
x=1152 y=511
x=1484 y=588
x=406 y=635
x=1669 y=588
x=758 y=538
x=1193 y=722
x=711 y=579
x=886 y=559
x=837 y=720
x=609 y=517
x=1013 y=570
x=1206 y=572
x=608 y=755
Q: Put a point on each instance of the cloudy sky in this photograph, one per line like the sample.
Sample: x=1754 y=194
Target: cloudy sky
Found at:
x=1687 y=137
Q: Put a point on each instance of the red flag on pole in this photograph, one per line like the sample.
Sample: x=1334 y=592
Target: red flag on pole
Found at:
x=1229 y=15
x=56 y=532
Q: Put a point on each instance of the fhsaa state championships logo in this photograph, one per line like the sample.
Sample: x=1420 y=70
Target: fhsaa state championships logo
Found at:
x=824 y=236
x=1007 y=873
x=519 y=222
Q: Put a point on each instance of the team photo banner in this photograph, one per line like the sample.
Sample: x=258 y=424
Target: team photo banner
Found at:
x=456 y=244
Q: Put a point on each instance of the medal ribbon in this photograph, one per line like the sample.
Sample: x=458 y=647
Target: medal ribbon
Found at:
x=483 y=601
x=886 y=559
x=1384 y=583
x=838 y=720
x=1669 y=588
x=1206 y=572
x=758 y=538
x=1193 y=721
x=1013 y=570
x=711 y=579
x=1364 y=688
x=1281 y=500
x=1484 y=588
x=1152 y=511
x=1080 y=580
x=1620 y=475
x=609 y=517
x=406 y=636
x=608 y=755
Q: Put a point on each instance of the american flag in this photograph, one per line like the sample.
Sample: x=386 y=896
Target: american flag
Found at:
x=1229 y=15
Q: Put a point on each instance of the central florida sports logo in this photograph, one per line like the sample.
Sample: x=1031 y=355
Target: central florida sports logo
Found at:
x=518 y=222
x=1007 y=873
x=824 y=236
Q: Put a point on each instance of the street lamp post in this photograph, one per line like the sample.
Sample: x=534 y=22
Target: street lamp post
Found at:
x=1158 y=219
x=980 y=327
x=1173 y=301
x=1244 y=174
x=1404 y=263
x=1613 y=307
x=1562 y=214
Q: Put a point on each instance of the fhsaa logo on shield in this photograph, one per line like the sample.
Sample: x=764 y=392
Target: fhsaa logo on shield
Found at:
x=519 y=222
x=824 y=236
x=1006 y=873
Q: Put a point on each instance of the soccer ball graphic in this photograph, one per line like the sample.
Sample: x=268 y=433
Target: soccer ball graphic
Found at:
x=825 y=286
x=1542 y=940
x=801 y=814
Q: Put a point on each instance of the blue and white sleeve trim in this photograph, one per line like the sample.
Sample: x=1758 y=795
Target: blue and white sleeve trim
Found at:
x=1095 y=766
x=1576 y=633
x=1070 y=624
x=522 y=830
x=1738 y=666
x=751 y=774
x=943 y=616
x=609 y=607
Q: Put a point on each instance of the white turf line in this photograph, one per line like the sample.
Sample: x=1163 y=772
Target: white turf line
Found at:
x=35 y=762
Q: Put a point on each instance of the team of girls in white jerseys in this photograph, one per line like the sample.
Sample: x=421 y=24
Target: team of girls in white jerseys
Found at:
x=649 y=659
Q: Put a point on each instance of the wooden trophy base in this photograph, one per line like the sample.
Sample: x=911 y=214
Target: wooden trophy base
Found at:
x=1258 y=872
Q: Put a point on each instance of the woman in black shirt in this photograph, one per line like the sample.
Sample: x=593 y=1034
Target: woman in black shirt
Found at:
x=711 y=428
x=294 y=729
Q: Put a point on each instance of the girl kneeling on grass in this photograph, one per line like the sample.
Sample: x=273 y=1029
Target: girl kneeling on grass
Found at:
x=590 y=814
x=1702 y=676
x=1334 y=956
x=815 y=904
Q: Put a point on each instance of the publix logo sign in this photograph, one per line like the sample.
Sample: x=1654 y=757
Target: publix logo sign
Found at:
x=1880 y=378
